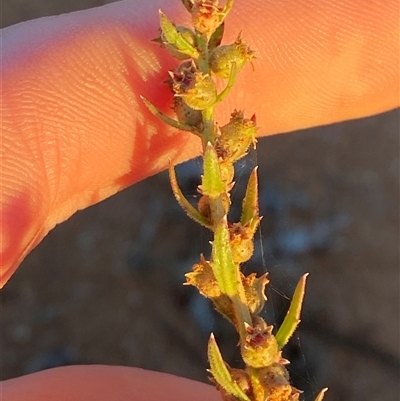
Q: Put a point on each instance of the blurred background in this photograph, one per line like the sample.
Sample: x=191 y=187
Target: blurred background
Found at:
x=106 y=286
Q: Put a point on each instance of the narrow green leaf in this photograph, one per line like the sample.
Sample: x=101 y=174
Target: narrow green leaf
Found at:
x=191 y=211
x=212 y=184
x=168 y=120
x=174 y=38
x=227 y=9
x=225 y=270
x=221 y=373
x=321 y=394
x=231 y=81
x=250 y=202
x=216 y=37
x=292 y=318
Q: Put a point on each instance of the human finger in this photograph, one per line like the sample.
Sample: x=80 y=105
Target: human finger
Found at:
x=105 y=383
x=75 y=131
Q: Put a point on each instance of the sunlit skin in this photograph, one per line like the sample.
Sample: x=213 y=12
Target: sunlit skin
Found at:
x=74 y=130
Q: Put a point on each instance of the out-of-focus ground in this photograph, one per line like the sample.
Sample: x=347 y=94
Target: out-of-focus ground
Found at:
x=105 y=287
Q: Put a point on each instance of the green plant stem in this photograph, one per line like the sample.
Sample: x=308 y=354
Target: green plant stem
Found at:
x=202 y=60
x=237 y=297
x=208 y=134
x=239 y=300
x=242 y=313
x=232 y=78
x=168 y=120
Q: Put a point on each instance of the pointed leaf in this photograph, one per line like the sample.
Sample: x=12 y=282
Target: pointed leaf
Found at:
x=321 y=394
x=225 y=270
x=225 y=11
x=168 y=120
x=216 y=37
x=212 y=184
x=228 y=7
x=221 y=373
x=250 y=202
x=174 y=38
x=191 y=211
x=231 y=81
x=292 y=318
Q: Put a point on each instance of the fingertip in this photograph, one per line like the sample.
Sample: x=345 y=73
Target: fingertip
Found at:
x=22 y=228
x=72 y=85
x=105 y=383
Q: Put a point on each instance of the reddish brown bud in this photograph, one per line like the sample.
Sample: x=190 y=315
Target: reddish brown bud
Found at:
x=260 y=348
x=197 y=89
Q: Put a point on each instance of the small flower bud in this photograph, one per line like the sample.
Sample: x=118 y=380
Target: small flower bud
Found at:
x=187 y=115
x=222 y=57
x=197 y=89
x=180 y=41
x=236 y=137
x=275 y=381
x=203 y=278
x=205 y=209
x=186 y=34
x=241 y=378
x=241 y=240
x=227 y=172
x=260 y=348
x=206 y=16
x=254 y=288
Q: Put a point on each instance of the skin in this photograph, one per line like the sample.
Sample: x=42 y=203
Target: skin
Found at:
x=74 y=130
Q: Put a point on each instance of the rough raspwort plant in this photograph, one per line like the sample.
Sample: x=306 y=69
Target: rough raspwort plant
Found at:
x=237 y=297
